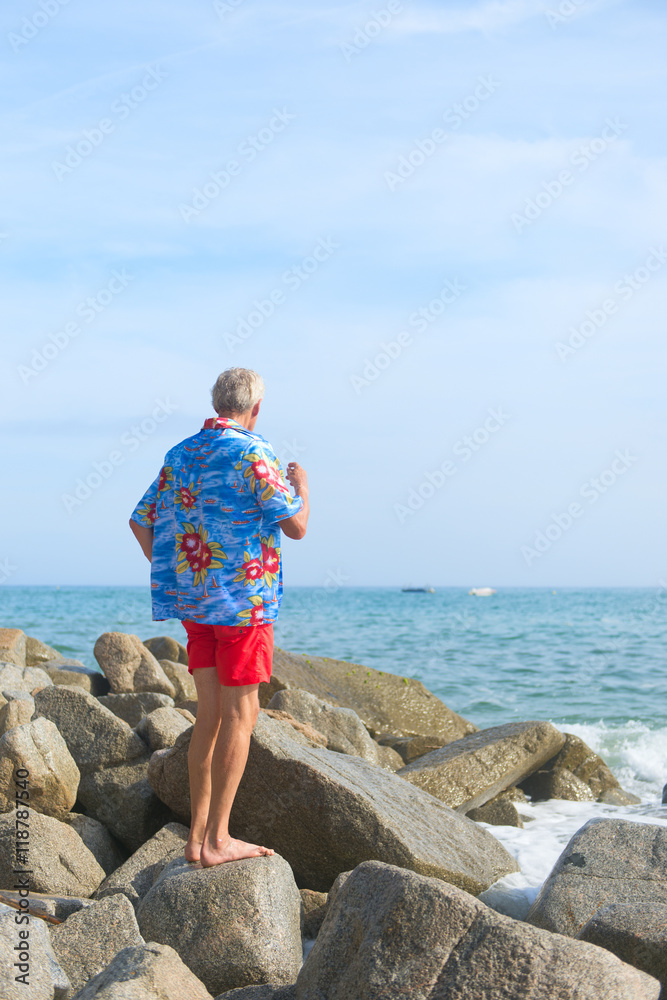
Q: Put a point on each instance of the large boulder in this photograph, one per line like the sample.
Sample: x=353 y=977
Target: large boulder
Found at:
x=389 y=933
x=95 y=737
x=74 y=674
x=54 y=776
x=132 y=708
x=58 y=860
x=145 y=972
x=129 y=665
x=182 y=679
x=32 y=973
x=89 y=939
x=587 y=767
x=384 y=702
x=635 y=932
x=17 y=678
x=161 y=728
x=474 y=769
x=556 y=783
x=326 y=812
x=344 y=730
x=163 y=647
x=12 y=646
x=606 y=861
x=99 y=841
x=37 y=653
x=136 y=875
x=264 y=992
x=409 y=748
x=233 y=925
x=123 y=800
x=16 y=712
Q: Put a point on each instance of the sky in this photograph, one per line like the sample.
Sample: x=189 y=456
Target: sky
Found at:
x=436 y=229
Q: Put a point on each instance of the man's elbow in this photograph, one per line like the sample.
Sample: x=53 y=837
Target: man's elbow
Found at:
x=295 y=531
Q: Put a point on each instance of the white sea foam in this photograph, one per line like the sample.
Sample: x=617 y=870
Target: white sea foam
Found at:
x=638 y=759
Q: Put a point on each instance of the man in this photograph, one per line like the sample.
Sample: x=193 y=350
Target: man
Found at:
x=210 y=525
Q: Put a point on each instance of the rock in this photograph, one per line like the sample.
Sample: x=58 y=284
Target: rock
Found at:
x=556 y=783
x=471 y=771
x=15 y=678
x=13 y=646
x=129 y=666
x=53 y=906
x=635 y=932
x=145 y=972
x=90 y=939
x=233 y=925
x=578 y=758
x=92 y=681
x=161 y=728
x=314 y=909
x=132 y=708
x=391 y=933
x=606 y=861
x=500 y=811
x=44 y=979
x=410 y=748
x=95 y=737
x=387 y=757
x=664 y=795
x=344 y=730
x=181 y=678
x=66 y=663
x=123 y=800
x=163 y=647
x=17 y=712
x=37 y=653
x=265 y=992
x=327 y=812
x=384 y=702
x=318 y=739
x=99 y=841
x=186 y=714
x=136 y=876
x=54 y=777
x=59 y=861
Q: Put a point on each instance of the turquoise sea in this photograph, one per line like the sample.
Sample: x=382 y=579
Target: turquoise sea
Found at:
x=592 y=661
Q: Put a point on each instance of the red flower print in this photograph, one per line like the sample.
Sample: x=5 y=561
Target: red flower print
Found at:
x=251 y=570
x=148 y=512
x=196 y=553
x=166 y=479
x=254 y=615
x=186 y=497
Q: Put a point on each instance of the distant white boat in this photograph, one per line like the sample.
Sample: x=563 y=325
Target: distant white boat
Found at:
x=481 y=592
x=418 y=590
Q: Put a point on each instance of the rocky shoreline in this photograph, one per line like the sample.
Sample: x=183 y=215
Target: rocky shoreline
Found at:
x=370 y=790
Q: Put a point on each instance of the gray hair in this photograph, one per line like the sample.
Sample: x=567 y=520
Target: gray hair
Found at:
x=237 y=390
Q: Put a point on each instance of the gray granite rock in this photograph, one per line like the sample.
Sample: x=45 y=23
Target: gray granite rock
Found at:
x=233 y=925
x=182 y=679
x=12 y=646
x=54 y=776
x=501 y=811
x=48 y=904
x=606 y=861
x=265 y=992
x=344 y=730
x=136 y=875
x=326 y=812
x=163 y=647
x=59 y=860
x=391 y=933
x=44 y=979
x=17 y=678
x=37 y=653
x=556 y=783
x=145 y=972
x=577 y=757
x=384 y=702
x=635 y=932
x=162 y=727
x=409 y=748
x=132 y=708
x=16 y=712
x=314 y=908
x=123 y=800
x=89 y=939
x=95 y=737
x=72 y=673
x=471 y=771
x=129 y=665
x=99 y=841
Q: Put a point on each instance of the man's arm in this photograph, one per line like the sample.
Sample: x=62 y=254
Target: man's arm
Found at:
x=144 y=535
x=295 y=526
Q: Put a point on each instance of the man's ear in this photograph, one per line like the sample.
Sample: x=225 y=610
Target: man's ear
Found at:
x=255 y=409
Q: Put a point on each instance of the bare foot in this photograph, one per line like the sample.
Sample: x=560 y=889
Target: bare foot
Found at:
x=230 y=850
x=192 y=850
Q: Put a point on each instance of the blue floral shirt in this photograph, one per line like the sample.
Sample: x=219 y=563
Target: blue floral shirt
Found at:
x=215 y=508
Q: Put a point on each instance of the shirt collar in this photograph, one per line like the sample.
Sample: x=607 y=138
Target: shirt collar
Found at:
x=222 y=423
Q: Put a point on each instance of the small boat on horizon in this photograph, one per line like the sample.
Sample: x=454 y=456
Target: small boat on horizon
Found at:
x=482 y=592
x=418 y=590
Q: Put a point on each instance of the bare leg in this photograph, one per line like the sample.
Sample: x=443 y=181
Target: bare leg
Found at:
x=240 y=706
x=200 y=754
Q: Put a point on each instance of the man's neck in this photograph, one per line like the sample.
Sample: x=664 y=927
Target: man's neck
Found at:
x=244 y=419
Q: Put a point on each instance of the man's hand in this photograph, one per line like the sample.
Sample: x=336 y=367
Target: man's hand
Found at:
x=295 y=526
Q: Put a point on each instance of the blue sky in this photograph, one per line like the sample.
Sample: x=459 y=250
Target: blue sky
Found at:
x=435 y=229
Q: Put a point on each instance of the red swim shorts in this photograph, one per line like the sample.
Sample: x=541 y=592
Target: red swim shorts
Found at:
x=242 y=654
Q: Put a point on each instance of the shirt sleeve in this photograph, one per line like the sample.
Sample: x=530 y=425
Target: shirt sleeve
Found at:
x=263 y=479
x=146 y=510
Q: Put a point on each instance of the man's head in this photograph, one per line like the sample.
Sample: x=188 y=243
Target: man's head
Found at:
x=237 y=393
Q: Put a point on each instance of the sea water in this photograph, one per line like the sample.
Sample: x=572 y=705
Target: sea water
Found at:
x=590 y=660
